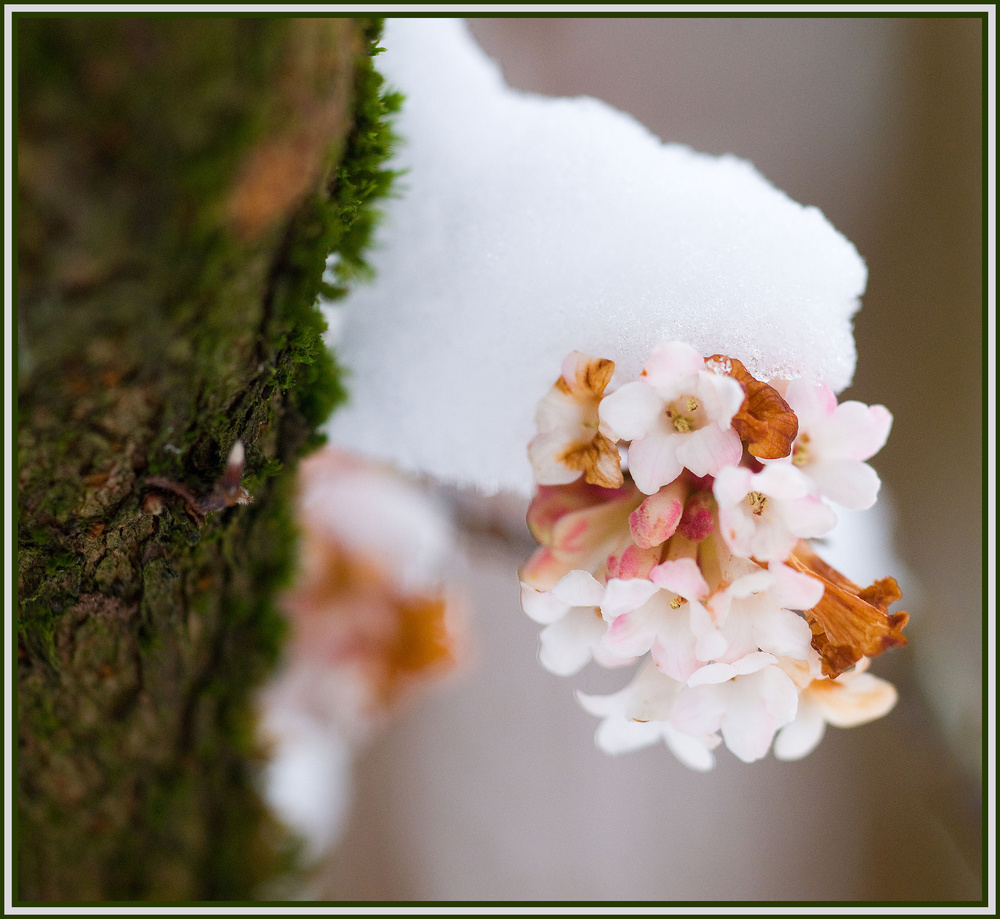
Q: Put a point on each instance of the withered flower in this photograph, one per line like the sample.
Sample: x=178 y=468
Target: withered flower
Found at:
x=765 y=421
x=850 y=621
x=570 y=440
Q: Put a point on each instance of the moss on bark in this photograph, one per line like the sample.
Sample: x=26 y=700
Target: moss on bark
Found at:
x=180 y=184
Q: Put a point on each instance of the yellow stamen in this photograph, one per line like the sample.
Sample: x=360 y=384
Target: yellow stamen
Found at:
x=757 y=502
x=800 y=453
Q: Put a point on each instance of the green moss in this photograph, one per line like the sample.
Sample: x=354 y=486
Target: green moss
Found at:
x=144 y=638
x=335 y=228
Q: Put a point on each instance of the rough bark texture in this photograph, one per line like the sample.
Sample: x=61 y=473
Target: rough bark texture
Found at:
x=180 y=182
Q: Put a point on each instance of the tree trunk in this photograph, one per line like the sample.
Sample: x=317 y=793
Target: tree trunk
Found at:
x=180 y=184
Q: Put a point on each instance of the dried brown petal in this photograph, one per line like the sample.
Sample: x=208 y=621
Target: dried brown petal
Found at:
x=594 y=375
x=765 y=421
x=849 y=622
x=598 y=460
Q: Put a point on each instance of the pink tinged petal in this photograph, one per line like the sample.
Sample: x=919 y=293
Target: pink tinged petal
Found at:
x=771 y=541
x=720 y=672
x=579 y=588
x=758 y=705
x=720 y=603
x=811 y=402
x=739 y=633
x=543 y=570
x=855 y=431
x=793 y=589
x=566 y=646
x=553 y=503
x=653 y=462
x=732 y=485
x=633 y=563
x=656 y=519
x=809 y=517
x=846 y=703
x=709 y=449
x=753 y=583
x=722 y=395
x=803 y=735
x=694 y=752
x=541 y=605
x=631 y=634
x=630 y=411
x=673 y=367
x=710 y=643
x=783 y=633
x=673 y=651
x=780 y=480
x=585 y=538
x=699 y=711
x=606 y=658
x=542 y=453
x=623 y=596
x=681 y=576
x=850 y=483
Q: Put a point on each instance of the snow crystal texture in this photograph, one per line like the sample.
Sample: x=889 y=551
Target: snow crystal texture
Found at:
x=527 y=227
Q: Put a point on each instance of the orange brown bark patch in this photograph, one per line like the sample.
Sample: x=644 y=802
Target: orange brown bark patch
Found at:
x=312 y=108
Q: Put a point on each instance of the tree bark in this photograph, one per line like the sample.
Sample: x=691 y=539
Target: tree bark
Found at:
x=180 y=184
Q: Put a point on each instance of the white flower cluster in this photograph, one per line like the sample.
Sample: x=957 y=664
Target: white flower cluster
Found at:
x=673 y=515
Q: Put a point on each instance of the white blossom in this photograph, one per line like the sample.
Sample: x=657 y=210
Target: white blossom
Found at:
x=834 y=440
x=764 y=514
x=677 y=415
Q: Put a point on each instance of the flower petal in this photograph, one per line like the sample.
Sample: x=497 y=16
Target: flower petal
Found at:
x=567 y=646
x=579 y=588
x=692 y=751
x=849 y=622
x=631 y=634
x=758 y=705
x=622 y=596
x=653 y=461
x=801 y=737
x=630 y=411
x=764 y=420
x=672 y=367
x=619 y=735
x=850 y=483
x=541 y=605
x=681 y=576
x=657 y=518
x=544 y=451
x=853 y=699
x=709 y=449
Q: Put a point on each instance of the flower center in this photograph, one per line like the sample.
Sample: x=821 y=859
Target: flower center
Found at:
x=757 y=503
x=682 y=414
x=800 y=453
x=677 y=602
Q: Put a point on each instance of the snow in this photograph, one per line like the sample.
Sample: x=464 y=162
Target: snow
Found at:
x=527 y=227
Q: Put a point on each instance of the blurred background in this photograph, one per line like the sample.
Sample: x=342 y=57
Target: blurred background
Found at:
x=489 y=786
